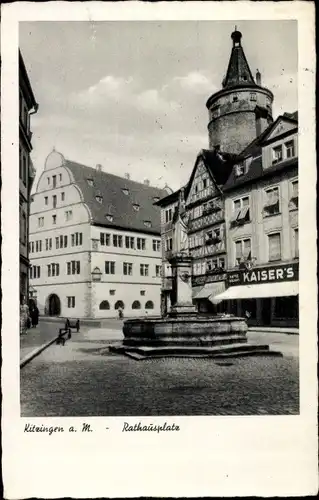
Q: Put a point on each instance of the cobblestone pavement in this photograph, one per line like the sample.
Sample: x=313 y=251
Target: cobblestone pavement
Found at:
x=84 y=379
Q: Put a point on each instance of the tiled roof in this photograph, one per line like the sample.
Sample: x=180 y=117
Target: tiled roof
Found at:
x=115 y=202
x=256 y=172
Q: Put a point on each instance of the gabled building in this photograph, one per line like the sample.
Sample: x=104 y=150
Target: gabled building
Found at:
x=27 y=107
x=94 y=242
x=261 y=204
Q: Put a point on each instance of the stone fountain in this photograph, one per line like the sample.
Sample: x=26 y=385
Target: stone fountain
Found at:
x=184 y=332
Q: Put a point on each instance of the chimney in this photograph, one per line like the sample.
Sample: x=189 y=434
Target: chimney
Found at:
x=98 y=167
x=146 y=182
x=127 y=176
x=258 y=77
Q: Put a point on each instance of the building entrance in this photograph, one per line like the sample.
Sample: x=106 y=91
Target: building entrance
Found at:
x=266 y=311
x=54 y=305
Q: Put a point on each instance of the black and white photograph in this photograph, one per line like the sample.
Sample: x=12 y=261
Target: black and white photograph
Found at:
x=158 y=287
x=159 y=238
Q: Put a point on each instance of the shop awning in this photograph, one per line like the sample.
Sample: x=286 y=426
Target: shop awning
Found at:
x=284 y=289
x=210 y=290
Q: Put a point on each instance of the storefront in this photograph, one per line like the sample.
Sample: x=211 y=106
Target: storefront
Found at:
x=267 y=295
x=205 y=288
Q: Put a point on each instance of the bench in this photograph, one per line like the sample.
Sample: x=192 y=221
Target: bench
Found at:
x=73 y=324
x=64 y=334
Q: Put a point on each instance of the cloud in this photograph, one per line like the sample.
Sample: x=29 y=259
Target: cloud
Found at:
x=196 y=82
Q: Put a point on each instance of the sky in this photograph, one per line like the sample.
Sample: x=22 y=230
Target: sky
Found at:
x=132 y=95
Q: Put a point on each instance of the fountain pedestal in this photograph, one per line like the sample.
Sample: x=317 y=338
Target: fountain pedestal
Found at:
x=181 y=264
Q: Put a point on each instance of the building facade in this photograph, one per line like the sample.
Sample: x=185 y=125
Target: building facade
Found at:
x=242 y=199
x=94 y=242
x=27 y=107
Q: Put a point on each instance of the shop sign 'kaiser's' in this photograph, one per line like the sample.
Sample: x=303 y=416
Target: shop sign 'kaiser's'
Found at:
x=271 y=274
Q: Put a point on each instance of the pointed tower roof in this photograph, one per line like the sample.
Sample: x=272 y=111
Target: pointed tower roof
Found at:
x=238 y=71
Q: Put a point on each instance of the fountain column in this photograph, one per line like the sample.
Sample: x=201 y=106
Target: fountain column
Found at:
x=181 y=263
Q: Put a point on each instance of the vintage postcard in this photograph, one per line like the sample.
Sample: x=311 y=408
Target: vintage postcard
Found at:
x=159 y=249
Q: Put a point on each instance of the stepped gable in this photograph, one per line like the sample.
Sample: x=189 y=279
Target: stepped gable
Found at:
x=118 y=197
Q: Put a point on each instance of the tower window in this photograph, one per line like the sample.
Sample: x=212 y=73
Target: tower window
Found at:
x=253 y=96
x=235 y=98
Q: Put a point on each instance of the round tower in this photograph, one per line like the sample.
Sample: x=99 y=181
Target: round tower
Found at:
x=242 y=109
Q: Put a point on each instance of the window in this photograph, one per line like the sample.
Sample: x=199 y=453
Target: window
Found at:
x=158 y=271
x=274 y=247
x=53 y=219
x=62 y=196
x=54 y=201
x=90 y=182
x=60 y=177
x=40 y=221
x=46 y=200
x=35 y=272
x=23 y=228
x=109 y=267
x=112 y=292
x=240 y=169
x=54 y=180
x=290 y=149
x=296 y=243
x=147 y=223
x=125 y=191
x=127 y=268
x=242 y=249
x=140 y=243
x=136 y=305
x=168 y=215
x=68 y=215
x=156 y=245
x=129 y=241
x=286 y=307
x=24 y=171
x=149 y=305
x=65 y=241
x=71 y=302
x=117 y=240
x=277 y=154
x=136 y=207
x=235 y=98
x=99 y=198
x=73 y=267
x=105 y=239
x=105 y=306
x=47 y=243
x=48 y=179
x=61 y=241
x=271 y=206
x=53 y=269
x=144 y=269
x=76 y=239
x=119 y=304
x=142 y=292
x=241 y=211
x=253 y=96
x=169 y=244
x=293 y=204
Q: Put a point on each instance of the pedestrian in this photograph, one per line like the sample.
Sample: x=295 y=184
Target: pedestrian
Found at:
x=24 y=316
x=120 y=310
x=34 y=313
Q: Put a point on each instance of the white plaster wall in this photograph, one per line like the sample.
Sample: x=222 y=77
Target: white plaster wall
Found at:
x=76 y=290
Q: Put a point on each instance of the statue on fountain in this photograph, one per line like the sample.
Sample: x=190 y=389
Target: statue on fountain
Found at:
x=180 y=240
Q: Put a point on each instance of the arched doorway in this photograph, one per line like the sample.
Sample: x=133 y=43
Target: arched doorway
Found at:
x=54 y=305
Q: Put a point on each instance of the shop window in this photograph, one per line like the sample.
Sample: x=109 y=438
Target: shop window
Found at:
x=249 y=306
x=104 y=306
x=287 y=307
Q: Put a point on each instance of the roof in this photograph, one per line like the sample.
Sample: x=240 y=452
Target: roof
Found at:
x=219 y=164
x=291 y=116
x=115 y=202
x=169 y=199
x=256 y=172
x=238 y=71
x=24 y=79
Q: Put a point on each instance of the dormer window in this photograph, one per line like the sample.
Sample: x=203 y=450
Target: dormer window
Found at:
x=156 y=199
x=136 y=207
x=290 y=149
x=125 y=191
x=240 y=169
x=277 y=154
x=99 y=197
x=147 y=223
x=109 y=217
x=90 y=182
